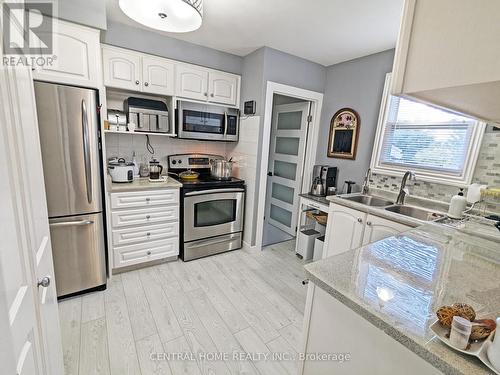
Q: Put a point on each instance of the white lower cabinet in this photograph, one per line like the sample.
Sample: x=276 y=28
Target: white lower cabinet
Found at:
x=144 y=226
x=332 y=327
x=348 y=229
x=378 y=228
x=344 y=230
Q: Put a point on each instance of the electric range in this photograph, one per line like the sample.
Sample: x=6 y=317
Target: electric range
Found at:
x=212 y=210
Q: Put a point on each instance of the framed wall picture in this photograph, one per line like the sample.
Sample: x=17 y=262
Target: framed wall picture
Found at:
x=344 y=131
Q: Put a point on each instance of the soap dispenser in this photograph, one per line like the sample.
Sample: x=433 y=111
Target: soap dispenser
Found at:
x=458 y=204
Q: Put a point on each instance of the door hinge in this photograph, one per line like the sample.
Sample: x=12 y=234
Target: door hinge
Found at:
x=309 y=118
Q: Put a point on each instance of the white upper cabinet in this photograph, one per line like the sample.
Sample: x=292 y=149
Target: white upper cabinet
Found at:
x=122 y=68
x=447 y=54
x=191 y=82
x=135 y=71
x=158 y=75
x=76 y=52
x=223 y=88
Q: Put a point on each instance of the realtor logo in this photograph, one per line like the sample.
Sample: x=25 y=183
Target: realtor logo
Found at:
x=27 y=28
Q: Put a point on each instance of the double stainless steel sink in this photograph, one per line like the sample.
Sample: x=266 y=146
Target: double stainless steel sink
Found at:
x=411 y=211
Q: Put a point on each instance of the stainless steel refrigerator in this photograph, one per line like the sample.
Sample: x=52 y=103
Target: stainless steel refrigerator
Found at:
x=68 y=126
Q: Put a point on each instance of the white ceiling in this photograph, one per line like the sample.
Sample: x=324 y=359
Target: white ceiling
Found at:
x=323 y=31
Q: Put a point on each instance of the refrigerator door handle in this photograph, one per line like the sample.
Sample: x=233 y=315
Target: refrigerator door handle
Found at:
x=86 y=151
x=71 y=223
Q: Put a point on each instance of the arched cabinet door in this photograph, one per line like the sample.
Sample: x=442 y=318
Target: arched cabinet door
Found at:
x=75 y=58
x=122 y=69
x=158 y=75
x=191 y=82
x=223 y=88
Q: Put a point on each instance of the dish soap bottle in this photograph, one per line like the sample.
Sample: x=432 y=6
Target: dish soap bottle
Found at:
x=458 y=204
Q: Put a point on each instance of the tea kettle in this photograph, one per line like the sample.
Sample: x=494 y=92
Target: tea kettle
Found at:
x=318 y=188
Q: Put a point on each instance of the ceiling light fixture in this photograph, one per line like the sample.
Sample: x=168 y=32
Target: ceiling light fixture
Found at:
x=177 y=16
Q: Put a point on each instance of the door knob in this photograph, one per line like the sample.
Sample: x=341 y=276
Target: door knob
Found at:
x=146 y=84
x=137 y=82
x=368 y=223
x=360 y=220
x=44 y=282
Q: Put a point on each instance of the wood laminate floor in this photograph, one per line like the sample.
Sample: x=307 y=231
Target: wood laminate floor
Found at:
x=213 y=311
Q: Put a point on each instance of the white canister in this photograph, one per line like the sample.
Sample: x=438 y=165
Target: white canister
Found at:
x=460 y=332
x=131 y=127
x=458 y=204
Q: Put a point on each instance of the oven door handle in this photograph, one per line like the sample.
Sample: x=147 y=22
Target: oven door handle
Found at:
x=212 y=191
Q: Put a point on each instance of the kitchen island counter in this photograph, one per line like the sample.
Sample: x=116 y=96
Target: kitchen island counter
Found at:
x=398 y=283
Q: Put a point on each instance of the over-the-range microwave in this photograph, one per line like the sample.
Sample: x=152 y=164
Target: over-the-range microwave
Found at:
x=207 y=122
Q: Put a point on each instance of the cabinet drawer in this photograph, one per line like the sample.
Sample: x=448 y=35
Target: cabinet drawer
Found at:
x=144 y=216
x=145 y=252
x=146 y=233
x=144 y=198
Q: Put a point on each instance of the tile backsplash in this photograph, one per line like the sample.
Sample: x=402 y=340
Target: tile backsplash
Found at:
x=487 y=172
x=123 y=145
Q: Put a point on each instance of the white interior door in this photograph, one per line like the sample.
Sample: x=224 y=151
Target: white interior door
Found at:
x=286 y=160
x=27 y=288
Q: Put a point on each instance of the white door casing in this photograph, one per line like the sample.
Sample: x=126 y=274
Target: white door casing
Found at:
x=33 y=332
x=286 y=161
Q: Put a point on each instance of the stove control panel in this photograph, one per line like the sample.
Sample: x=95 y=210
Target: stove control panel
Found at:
x=191 y=161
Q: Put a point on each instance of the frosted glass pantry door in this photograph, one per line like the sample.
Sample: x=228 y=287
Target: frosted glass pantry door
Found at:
x=286 y=159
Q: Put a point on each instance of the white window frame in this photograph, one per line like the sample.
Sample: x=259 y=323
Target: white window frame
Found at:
x=423 y=174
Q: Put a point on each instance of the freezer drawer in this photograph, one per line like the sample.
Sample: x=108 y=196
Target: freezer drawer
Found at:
x=78 y=251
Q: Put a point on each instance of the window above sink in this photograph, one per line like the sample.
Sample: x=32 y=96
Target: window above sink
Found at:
x=439 y=145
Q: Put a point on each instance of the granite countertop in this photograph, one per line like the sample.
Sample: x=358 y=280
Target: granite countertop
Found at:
x=141 y=184
x=435 y=206
x=425 y=268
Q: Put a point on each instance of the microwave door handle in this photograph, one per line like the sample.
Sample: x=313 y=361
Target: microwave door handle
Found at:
x=86 y=151
x=225 y=123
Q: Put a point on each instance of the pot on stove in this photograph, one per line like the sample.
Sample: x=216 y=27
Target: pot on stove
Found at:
x=221 y=169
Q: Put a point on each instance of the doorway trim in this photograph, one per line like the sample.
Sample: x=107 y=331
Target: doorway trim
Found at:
x=316 y=99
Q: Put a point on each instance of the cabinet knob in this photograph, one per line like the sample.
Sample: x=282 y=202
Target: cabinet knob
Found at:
x=148 y=253
x=137 y=82
x=148 y=234
x=148 y=199
x=212 y=95
x=146 y=84
x=148 y=217
x=360 y=220
x=44 y=282
x=206 y=94
x=368 y=223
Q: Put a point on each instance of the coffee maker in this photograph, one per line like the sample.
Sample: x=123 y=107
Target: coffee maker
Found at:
x=323 y=178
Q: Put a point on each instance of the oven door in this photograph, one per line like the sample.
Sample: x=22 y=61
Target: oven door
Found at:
x=215 y=212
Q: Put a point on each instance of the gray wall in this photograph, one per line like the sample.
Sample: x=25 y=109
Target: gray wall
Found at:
x=357 y=84
x=267 y=64
x=161 y=45
x=85 y=12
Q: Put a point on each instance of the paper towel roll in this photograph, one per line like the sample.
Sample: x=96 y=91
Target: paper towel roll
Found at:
x=474 y=192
